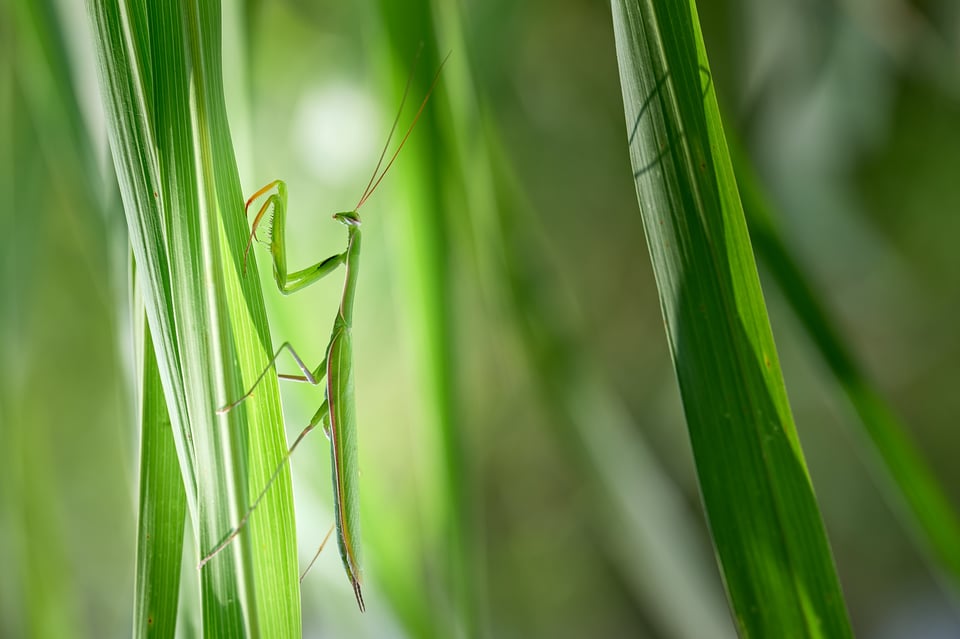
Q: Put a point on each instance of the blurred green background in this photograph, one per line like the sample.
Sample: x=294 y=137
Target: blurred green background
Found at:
x=578 y=488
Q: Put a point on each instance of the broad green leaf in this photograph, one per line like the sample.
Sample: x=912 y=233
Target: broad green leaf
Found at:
x=766 y=527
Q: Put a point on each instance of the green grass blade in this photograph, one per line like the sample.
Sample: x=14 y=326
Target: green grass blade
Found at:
x=160 y=73
x=759 y=500
x=912 y=477
x=163 y=508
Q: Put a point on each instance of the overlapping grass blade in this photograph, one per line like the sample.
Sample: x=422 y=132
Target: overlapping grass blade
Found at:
x=765 y=523
x=161 y=83
x=163 y=506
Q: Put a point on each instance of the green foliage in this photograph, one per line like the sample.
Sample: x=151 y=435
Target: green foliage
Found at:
x=524 y=468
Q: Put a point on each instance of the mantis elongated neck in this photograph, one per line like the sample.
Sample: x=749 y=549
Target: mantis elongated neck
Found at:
x=353 y=270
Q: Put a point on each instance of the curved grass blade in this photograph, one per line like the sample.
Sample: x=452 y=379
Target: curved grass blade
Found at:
x=756 y=490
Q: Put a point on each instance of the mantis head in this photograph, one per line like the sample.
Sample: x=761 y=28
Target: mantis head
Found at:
x=347 y=218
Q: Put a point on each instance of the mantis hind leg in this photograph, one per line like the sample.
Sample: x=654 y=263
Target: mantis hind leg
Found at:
x=356 y=584
x=320 y=417
x=313 y=377
x=323 y=543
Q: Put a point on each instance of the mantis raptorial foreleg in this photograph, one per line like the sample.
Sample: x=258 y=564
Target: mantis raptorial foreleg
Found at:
x=287 y=282
x=337 y=414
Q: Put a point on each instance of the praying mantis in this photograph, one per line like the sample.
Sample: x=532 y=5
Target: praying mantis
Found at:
x=337 y=413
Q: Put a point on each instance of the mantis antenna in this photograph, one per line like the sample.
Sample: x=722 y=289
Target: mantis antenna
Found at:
x=374 y=180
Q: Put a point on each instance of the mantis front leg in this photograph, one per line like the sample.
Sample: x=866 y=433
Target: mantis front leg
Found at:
x=287 y=282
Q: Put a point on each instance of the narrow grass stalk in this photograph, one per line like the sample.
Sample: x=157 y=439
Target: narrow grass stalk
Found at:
x=163 y=505
x=449 y=610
